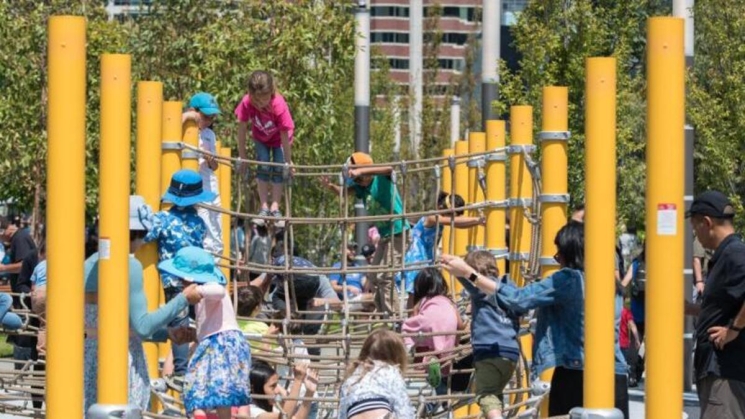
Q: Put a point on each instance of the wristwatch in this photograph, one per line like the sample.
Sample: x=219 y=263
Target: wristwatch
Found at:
x=473 y=277
x=732 y=326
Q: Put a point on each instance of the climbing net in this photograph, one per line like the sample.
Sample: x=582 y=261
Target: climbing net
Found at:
x=344 y=326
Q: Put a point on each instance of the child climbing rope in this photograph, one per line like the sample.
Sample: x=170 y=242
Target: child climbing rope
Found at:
x=375 y=385
x=203 y=109
x=173 y=229
x=426 y=235
x=264 y=380
x=272 y=131
x=219 y=368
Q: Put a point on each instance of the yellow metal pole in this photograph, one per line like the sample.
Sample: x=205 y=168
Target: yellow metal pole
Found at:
x=190 y=158
x=65 y=215
x=446 y=185
x=664 y=207
x=147 y=181
x=521 y=188
x=600 y=221
x=476 y=144
x=113 y=254
x=461 y=188
x=226 y=174
x=496 y=191
x=554 y=197
x=170 y=160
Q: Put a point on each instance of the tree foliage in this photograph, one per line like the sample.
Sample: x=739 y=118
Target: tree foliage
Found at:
x=554 y=37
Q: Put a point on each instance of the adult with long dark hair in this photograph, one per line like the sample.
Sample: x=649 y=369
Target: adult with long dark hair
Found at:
x=559 y=301
x=264 y=382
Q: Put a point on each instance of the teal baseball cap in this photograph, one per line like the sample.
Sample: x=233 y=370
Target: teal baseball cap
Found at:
x=204 y=103
x=193 y=264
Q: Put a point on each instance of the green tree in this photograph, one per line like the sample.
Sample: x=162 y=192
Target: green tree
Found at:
x=554 y=37
x=716 y=100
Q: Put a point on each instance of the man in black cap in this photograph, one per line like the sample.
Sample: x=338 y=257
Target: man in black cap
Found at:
x=720 y=344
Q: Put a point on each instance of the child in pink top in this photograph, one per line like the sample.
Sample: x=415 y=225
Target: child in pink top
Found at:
x=271 y=129
x=218 y=373
x=434 y=312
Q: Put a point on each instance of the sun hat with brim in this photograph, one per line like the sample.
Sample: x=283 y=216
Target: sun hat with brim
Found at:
x=204 y=103
x=135 y=202
x=712 y=204
x=186 y=189
x=193 y=264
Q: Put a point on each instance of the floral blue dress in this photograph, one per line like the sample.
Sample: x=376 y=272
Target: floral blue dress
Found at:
x=421 y=252
x=218 y=373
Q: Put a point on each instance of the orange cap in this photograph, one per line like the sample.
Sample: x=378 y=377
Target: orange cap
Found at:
x=360 y=158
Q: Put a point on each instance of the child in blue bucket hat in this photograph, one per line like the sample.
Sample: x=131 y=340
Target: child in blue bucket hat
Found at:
x=218 y=372
x=173 y=229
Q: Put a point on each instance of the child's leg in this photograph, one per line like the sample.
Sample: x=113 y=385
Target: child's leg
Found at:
x=277 y=178
x=492 y=376
x=262 y=176
x=224 y=413
x=180 y=352
x=9 y=320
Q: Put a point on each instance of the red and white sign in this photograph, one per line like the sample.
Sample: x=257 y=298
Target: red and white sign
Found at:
x=667 y=219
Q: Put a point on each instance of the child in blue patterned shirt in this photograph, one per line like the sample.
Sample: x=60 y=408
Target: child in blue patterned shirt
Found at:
x=173 y=229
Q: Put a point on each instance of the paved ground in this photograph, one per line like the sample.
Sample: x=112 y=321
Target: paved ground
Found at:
x=636 y=404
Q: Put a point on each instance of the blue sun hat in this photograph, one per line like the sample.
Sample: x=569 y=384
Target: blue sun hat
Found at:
x=204 y=103
x=186 y=189
x=193 y=264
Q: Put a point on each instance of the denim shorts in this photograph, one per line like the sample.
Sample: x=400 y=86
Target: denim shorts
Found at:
x=263 y=154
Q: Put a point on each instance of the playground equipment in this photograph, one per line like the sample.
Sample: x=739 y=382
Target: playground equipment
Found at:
x=537 y=207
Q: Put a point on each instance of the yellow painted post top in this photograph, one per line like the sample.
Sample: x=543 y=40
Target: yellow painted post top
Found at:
x=226 y=174
x=600 y=221
x=521 y=189
x=496 y=191
x=170 y=151
x=664 y=215
x=476 y=144
x=148 y=178
x=190 y=157
x=66 y=81
x=113 y=265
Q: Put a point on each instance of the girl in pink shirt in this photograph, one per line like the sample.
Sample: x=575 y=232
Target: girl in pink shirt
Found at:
x=218 y=372
x=271 y=129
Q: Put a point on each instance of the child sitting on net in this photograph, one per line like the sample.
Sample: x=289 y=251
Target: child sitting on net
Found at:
x=250 y=300
x=375 y=386
x=264 y=382
x=218 y=372
x=426 y=235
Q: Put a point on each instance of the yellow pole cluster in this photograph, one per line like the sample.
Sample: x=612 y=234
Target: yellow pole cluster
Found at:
x=476 y=144
x=600 y=219
x=65 y=215
x=496 y=191
x=446 y=186
x=113 y=248
x=521 y=189
x=461 y=188
x=665 y=228
x=226 y=174
x=190 y=158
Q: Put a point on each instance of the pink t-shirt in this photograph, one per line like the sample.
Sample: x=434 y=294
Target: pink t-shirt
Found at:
x=266 y=125
x=215 y=312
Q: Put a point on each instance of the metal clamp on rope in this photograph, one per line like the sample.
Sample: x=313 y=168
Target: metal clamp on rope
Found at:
x=498 y=204
x=499 y=156
x=403 y=167
x=393 y=176
x=520 y=202
x=171 y=145
x=189 y=154
x=344 y=174
x=519 y=148
x=451 y=162
x=553 y=198
x=438 y=171
x=476 y=162
x=286 y=172
x=548 y=261
x=554 y=135
x=517 y=257
x=472 y=248
x=502 y=253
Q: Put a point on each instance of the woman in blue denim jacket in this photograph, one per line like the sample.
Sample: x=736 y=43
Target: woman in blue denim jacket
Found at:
x=559 y=301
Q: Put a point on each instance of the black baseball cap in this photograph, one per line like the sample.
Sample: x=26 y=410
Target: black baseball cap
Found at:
x=368 y=250
x=351 y=245
x=712 y=204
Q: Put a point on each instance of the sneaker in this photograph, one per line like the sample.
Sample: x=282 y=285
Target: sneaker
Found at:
x=265 y=212
x=276 y=213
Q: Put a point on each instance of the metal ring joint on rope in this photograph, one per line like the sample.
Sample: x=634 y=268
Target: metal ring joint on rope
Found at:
x=554 y=135
x=520 y=202
x=519 y=148
x=170 y=145
x=499 y=253
x=495 y=157
x=548 y=261
x=517 y=256
x=189 y=154
x=554 y=198
x=473 y=248
x=475 y=162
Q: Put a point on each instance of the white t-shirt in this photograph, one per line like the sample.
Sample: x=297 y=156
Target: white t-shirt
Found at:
x=208 y=143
